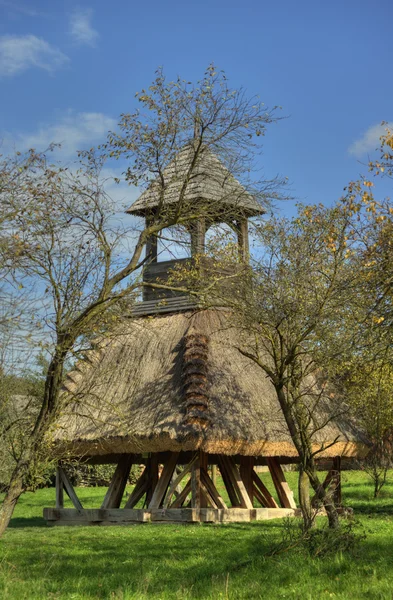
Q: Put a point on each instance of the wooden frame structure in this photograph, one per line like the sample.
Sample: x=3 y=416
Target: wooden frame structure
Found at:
x=184 y=492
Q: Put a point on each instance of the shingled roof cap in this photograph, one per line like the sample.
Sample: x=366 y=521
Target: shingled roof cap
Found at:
x=211 y=183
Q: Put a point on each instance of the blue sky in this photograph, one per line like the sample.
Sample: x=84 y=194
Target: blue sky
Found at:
x=67 y=70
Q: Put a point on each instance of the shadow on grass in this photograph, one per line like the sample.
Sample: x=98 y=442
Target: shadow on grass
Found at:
x=27 y=522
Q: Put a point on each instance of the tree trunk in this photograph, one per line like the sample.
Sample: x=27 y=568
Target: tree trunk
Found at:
x=302 y=441
x=304 y=500
x=32 y=448
x=325 y=497
x=15 y=489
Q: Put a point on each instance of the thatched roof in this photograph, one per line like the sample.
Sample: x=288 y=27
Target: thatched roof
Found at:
x=210 y=182
x=178 y=383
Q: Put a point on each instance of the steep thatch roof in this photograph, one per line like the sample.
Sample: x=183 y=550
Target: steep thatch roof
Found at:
x=210 y=182
x=177 y=382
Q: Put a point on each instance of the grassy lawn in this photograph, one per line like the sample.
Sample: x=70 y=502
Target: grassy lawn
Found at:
x=191 y=561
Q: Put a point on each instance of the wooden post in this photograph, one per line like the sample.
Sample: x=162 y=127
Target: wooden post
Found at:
x=115 y=492
x=214 y=474
x=152 y=476
x=203 y=460
x=59 y=490
x=242 y=237
x=151 y=243
x=246 y=469
x=284 y=492
x=198 y=231
x=196 y=484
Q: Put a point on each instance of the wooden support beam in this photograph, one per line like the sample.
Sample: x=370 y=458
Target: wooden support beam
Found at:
x=139 y=490
x=246 y=470
x=234 y=475
x=242 y=237
x=205 y=497
x=284 y=492
x=163 y=482
x=214 y=474
x=262 y=493
x=177 y=480
x=70 y=490
x=234 y=500
x=117 y=516
x=152 y=476
x=196 y=484
x=182 y=497
x=115 y=492
x=212 y=490
x=59 y=490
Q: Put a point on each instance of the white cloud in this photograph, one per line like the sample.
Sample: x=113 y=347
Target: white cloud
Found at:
x=81 y=29
x=369 y=140
x=16 y=7
x=74 y=131
x=21 y=52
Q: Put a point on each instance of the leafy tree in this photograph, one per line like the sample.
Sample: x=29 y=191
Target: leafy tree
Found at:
x=289 y=308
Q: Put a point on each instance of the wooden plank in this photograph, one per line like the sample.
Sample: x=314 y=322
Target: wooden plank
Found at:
x=279 y=513
x=235 y=515
x=96 y=516
x=212 y=490
x=234 y=474
x=176 y=515
x=267 y=499
x=182 y=496
x=163 y=482
x=70 y=490
x=115 y=492
x=228 y=483
x=196 y=484
x=177 y=480
x=284 y=492
x=59 y=490
x=118 y=516
x=139 y=490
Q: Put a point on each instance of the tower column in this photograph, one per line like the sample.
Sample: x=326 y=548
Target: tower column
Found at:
x=242 y=239
x=151 y=243
x=198 y=232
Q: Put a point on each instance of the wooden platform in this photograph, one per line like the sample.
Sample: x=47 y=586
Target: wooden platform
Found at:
x=124 y=516
x=173 y=492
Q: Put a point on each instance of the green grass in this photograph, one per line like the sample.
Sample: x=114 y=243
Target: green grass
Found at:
x=194 y=561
